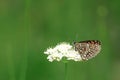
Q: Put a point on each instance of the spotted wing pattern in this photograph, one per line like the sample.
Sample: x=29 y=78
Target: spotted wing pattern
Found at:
x=88 y=49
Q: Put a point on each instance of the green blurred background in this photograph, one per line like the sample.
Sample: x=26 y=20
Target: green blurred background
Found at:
x=29 y=27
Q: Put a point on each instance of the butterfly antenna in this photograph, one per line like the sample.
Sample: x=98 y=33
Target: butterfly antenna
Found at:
x=74 y=41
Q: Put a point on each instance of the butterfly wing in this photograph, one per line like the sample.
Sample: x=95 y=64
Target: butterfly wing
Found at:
x=88 y=49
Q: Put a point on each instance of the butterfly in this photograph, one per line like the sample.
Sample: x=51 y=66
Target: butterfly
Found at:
x=88 y=49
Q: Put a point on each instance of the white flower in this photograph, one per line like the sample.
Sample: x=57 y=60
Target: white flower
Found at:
x=62 y=50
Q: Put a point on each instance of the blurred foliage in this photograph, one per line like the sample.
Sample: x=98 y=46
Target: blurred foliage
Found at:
x=29 y=27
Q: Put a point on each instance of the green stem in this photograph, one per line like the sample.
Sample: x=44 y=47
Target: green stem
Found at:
x=26 y=40
x=66 y=69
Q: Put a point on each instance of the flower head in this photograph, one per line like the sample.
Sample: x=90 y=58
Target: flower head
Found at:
x=62 y=50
